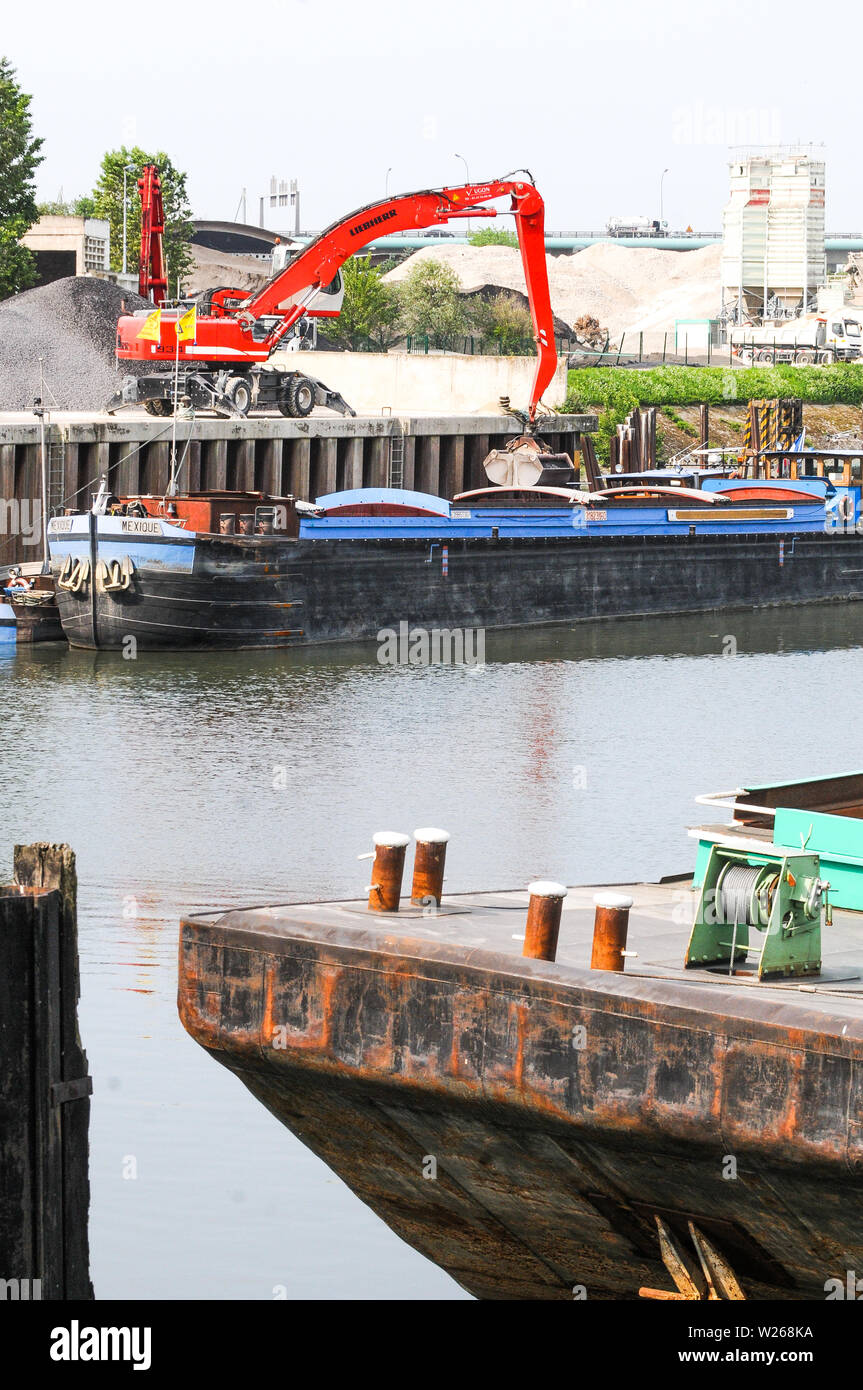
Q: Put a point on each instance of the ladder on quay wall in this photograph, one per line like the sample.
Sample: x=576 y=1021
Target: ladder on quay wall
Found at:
x=56 y=464
x=396 y=464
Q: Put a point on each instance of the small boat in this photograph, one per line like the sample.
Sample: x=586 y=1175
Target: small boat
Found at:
x=29 y=610
x=8 y=624
x=647 y=1091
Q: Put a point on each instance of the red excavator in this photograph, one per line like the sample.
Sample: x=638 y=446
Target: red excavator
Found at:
x=227 y=366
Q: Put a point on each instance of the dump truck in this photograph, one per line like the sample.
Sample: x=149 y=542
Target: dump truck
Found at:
x=833 y=336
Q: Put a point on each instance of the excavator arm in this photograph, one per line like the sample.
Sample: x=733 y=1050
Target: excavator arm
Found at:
x=318 y=263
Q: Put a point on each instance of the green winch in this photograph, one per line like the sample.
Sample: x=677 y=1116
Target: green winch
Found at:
x=779 y=894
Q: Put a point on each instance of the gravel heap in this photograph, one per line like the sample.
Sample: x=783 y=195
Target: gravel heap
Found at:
x=72 y=324
x=626 y=288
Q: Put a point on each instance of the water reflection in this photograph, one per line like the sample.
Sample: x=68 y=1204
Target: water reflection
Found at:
x=187 y=782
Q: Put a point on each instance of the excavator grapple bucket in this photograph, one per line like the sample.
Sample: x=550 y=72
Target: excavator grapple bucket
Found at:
x=528 y=462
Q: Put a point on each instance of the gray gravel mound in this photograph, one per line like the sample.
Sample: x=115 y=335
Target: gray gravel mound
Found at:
x=72 y=324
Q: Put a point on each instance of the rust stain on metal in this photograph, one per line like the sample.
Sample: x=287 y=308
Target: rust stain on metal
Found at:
x=518 y=1069
x=624 y=1094
x=268 y=1027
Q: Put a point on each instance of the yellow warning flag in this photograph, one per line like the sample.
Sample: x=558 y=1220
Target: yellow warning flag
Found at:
x=187 y=325
x=152 y=328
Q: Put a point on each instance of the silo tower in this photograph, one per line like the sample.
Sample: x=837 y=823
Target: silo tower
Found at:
x=773 y=234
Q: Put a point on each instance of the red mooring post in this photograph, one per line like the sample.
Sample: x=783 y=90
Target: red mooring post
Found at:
x=543 y=919
x=610 y=927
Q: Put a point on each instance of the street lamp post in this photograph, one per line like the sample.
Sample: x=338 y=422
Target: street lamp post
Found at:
x=387 y=182
x=127 y=168
x=467 y=180
x=661 y=182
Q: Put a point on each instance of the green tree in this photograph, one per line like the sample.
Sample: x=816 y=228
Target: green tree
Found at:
x=505 y=322
x=83 y=206
x=19 y=159
x=370 y=311
x=490 y=236
x=431 y=302
x=108 y=203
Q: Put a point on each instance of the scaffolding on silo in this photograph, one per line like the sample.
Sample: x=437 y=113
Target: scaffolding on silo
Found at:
x=773 y=257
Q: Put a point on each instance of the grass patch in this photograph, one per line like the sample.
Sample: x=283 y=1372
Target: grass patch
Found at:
x=683 y=425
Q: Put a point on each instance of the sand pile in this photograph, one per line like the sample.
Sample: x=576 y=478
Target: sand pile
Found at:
x=627 y=289
x=72 y=324
x=214 y=268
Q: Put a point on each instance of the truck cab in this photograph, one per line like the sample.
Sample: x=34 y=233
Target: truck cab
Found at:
x=841 y=333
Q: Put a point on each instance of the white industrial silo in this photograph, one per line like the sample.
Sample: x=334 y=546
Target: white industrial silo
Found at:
x=773 y=235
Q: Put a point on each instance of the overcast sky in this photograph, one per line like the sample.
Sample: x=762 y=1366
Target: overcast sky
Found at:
x=596 y=99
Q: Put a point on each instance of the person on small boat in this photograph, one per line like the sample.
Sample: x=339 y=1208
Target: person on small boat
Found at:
x=17 y=580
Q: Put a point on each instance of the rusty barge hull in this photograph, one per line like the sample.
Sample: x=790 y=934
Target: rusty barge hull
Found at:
x=522 y=1123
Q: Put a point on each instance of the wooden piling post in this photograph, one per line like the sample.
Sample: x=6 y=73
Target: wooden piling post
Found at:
x=704 y=424
x=44 y=1086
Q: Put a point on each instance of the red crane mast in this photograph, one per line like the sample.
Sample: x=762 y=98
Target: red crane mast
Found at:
x=152 y=273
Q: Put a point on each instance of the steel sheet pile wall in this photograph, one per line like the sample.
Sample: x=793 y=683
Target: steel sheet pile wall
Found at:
x=302 y=458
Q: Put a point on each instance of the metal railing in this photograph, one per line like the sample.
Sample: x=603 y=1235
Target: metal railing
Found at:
x=474 y=345
x=658 y=347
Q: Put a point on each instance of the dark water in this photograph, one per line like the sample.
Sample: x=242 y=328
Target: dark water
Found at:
x=571 y=754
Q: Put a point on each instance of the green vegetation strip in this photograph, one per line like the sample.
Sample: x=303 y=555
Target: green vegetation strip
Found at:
x=615 y=391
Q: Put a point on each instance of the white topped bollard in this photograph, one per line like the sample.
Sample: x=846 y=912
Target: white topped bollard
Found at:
x=385 y=888
x=543 y=919
x=429 y=862
x=610 y=927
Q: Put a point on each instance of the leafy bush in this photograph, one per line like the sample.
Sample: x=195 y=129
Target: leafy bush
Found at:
x=503 y=322
x=370 y=311
x=431 y=303
x=83 y=206
x=489 y=236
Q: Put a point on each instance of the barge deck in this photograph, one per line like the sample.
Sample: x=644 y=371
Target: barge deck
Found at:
x=527 y=1123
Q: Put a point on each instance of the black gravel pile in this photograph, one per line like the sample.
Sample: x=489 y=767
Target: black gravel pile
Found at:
x=72 y=324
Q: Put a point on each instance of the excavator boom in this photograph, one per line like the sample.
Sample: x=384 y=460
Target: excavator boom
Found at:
x=319 y=262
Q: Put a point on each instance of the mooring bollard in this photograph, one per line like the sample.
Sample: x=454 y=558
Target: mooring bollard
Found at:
x=227 y=524
x=543 y=919
x=610 y=926
x=247 y=523
x=429 y=861
x=389 y=866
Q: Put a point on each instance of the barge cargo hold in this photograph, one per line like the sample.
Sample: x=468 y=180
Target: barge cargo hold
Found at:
x=542 y=1129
